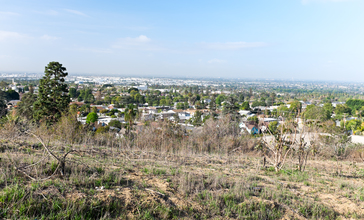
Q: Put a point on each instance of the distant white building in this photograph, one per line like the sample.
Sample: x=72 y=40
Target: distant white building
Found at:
x=244 y=112
x=104 y=120
x=163 y=90
x=142 y=87
x=334 y=104
x=13 y=87
x=269 y=119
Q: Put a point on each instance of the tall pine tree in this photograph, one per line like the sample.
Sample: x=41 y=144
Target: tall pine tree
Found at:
x=53 y=97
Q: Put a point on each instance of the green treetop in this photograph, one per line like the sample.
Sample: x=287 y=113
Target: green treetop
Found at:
x=91 y=117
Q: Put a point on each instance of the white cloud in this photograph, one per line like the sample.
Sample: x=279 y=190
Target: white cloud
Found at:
x=9 y=35
x=216 y=61
x=76 y=12
x=141 y=38
x=138 y=43
x=233 y=45
x=304 y=2
x=47 y=37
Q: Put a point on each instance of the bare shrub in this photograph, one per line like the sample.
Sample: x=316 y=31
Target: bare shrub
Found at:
x=68 y=130
x=275 y=148
x=8 y=128
x=355 y=152
x=306 y=144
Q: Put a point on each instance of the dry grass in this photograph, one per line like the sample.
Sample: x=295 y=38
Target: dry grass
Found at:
x=161 y=173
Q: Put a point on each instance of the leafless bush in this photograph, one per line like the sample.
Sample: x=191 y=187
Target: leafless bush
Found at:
x=306 y=144
x=275 y=148
x=218 y=136
x=8 y=129
x=68 y=130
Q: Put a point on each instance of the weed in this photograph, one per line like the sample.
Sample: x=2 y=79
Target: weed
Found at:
x=173 y=171
x=159 y=171
x=145 y=170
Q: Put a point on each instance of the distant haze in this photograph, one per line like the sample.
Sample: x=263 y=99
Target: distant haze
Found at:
x=276 y=39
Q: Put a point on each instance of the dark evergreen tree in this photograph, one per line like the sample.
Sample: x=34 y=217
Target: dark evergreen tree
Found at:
x=12 y=95
x=196 y=120
x=245 y=105
x=241 y=98
x=73 y=93
x=212 y=104
x=231 y=108
x=53 y=98
x=2 y=104
x=115 y=123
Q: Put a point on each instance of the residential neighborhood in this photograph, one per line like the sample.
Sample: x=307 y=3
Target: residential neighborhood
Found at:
x=177 y=104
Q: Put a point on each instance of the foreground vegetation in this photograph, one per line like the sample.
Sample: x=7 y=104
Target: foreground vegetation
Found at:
x=162 y=174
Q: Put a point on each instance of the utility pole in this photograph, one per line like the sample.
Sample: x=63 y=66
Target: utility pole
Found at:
x=344 y=119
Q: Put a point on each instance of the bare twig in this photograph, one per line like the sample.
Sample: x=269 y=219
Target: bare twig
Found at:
x=161 y=194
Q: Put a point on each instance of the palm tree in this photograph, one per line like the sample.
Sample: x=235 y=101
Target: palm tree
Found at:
x=130 y=114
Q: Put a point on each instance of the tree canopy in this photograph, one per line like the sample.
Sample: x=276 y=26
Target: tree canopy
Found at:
x=12 y=95
x=342 y=109
x=245 y=106
x=316 y=112
x=355 y=104
x=91 y=117
x=53 y=98
x=115 y=123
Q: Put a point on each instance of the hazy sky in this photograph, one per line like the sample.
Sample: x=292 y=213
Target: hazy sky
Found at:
x=300 y=39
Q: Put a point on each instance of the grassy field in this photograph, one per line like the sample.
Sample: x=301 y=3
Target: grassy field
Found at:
x=114 y=183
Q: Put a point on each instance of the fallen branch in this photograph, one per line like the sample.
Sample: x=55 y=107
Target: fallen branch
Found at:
x=161 y=194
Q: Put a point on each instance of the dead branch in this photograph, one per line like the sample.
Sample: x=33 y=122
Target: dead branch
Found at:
x=45 y=146
x=155 y=192
x=60 y=159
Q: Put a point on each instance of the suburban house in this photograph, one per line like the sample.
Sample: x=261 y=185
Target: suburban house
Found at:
x=251 y=128
x=99 y=107
x=103 y=120
x=245 y=112
x=77 y=103
x=150 y=110
x=182 y=114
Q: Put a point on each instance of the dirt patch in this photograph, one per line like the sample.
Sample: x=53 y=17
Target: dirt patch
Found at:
x=75 y=196
x=340 y=204
x=162 y=186
x=106 y=194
